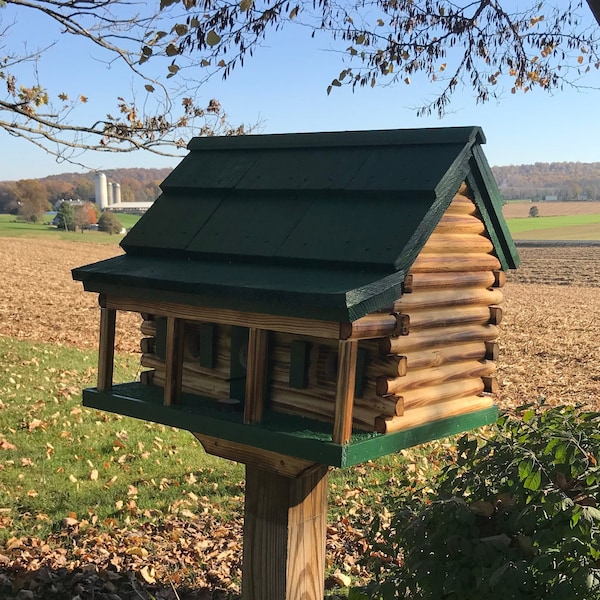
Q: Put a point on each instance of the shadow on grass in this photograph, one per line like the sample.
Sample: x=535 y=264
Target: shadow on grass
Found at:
x=92 y=582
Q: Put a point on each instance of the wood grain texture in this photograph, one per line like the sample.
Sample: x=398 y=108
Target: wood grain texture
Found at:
x=106 y=348
x=434 y=394
x=462 y=205
x=324 y=329
x=342 y=425
x=174 y=360
x=460 y=223
x=428 y=414
x=256 y=376
x=431 y=376
x=435 y=337
x=450 y=263
x=499 y=279
x=285 y=523
x=435 y=357
x=442 y=243
x=265 y=460
x=448 y=317
x=455 y=280
x=447 y=298
x=372 y=326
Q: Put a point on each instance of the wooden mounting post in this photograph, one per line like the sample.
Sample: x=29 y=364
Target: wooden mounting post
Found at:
x=106 y=349
x=285 y=527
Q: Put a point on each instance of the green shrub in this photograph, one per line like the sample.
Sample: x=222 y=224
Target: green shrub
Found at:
x=109 y=222
x=65 y=217
x=515 y=517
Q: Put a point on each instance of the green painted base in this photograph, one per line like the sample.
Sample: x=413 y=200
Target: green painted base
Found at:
x=293 y=436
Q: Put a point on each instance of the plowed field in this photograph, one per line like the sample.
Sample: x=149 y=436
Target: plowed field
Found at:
x=549 y=340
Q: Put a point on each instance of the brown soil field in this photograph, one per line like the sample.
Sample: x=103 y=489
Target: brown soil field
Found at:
x=514 y=210
x=549 y=335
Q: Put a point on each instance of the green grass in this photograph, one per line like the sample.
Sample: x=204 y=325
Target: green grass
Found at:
x=59 y=459
x=11 y=227
x=570 y=227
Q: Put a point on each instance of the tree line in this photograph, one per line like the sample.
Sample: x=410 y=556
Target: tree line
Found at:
x=565 y=181
x=31 y=198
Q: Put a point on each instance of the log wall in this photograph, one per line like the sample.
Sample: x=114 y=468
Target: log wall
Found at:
x=442 y=365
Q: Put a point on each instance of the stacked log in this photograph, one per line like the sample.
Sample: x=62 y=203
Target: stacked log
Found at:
x=438 y=362
x=451 y=295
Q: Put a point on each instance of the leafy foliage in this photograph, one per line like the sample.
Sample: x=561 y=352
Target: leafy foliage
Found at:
x=477 y=44
x=566 y=181
x=32 y=200
x=109 y=222
x=488 y=46
x=65 y=217
x=85 y=215
x=515 y=517
x=158 y=117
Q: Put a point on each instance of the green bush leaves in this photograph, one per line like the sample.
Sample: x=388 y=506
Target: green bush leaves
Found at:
x=516 y=516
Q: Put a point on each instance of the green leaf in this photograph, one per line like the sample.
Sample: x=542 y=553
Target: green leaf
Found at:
x=533 y=481
x=528 y=414
x=525 y=468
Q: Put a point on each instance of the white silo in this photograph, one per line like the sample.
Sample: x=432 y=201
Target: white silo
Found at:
x=100 y=191
x=109 y=194
x=116 y=193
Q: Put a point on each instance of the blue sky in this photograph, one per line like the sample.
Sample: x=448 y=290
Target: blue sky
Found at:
x=284 y=88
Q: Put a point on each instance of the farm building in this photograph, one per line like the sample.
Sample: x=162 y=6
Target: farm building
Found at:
x=313 y=294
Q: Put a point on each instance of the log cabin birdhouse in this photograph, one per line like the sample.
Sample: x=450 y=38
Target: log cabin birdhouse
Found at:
x=310 y=300
x=330 y=297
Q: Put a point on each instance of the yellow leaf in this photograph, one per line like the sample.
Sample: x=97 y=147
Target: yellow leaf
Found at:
x=94 y=475
x=73 y=479
x=6 y=445
x=137 y=551
x=148 y=575
x=341 y=579
x=246 y=5
x=580 y=59
x=34 y=424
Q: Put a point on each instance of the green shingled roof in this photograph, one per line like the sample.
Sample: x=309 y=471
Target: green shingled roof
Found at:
x=316 y=225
